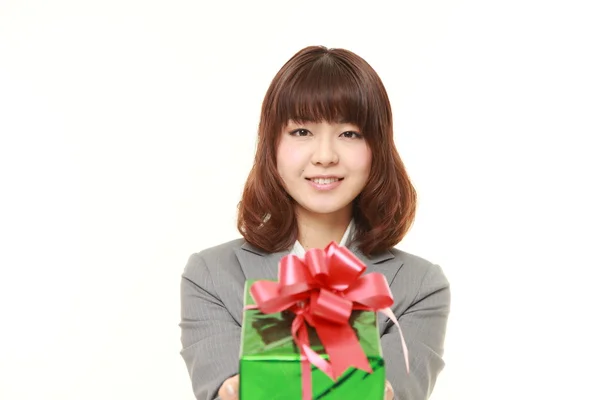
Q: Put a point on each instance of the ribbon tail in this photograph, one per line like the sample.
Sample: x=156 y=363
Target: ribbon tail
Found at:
x=388 y=312
x=316 y=360
x=306 y=377
x=300 y=336
x=343 y=348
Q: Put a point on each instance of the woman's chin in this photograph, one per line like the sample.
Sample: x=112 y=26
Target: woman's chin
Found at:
x=327 y=209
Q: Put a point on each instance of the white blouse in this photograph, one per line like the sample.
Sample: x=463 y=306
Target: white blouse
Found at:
x=299 y=251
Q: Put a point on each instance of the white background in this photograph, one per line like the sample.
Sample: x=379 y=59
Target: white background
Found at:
x=128 y=129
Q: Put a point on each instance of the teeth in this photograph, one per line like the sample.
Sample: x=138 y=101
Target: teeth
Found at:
x=325 y=181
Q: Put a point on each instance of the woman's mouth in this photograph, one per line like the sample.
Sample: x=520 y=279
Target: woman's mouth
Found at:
x=325 y=183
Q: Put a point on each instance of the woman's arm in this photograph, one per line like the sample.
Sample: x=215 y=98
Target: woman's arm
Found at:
x=424 y=328
x=209 y=335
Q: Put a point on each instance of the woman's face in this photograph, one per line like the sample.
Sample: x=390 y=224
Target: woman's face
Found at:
x=323 y=166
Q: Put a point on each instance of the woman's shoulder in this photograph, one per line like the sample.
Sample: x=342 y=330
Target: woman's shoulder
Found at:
x=214 y=256
x=417 y=279
x=410 y=259
x=221 y=249
x=419 y=267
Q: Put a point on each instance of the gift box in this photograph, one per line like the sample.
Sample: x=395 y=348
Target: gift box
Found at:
x=270 y=359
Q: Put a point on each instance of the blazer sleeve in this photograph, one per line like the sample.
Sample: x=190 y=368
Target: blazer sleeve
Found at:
x=210 y=336
x=423 y=324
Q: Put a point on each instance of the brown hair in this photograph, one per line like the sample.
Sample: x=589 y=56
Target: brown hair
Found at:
x=320 y=84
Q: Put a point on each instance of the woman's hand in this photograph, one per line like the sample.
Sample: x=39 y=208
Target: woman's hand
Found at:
x=229 y=389
x=389 y=391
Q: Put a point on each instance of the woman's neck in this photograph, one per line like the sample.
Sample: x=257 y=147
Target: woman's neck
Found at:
x=318 y=230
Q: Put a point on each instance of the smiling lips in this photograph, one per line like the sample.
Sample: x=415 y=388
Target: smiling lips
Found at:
x=325 y=183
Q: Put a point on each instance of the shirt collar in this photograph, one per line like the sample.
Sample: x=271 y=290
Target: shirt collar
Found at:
x=299 y=251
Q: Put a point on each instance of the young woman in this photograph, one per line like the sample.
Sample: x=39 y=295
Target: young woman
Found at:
x=326 y=169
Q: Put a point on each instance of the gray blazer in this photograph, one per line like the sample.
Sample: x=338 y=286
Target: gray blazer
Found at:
x=211 y=314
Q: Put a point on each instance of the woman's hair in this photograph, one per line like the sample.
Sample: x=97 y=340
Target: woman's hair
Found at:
x=328 y=85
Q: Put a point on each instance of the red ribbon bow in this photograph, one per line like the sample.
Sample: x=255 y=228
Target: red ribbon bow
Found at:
x=322 y=290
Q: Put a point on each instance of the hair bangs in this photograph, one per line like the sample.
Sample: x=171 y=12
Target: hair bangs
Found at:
x=326 y=91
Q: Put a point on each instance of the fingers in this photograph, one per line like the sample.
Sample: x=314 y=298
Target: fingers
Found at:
x=229 y=389
x=389 y=391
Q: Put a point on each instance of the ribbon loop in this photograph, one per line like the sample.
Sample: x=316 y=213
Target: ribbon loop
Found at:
x=316 y=261
x=344 y=267
x=332 y=307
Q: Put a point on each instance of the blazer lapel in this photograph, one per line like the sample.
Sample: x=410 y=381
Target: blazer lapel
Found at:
x=258 y=264
x=385 y=263
x=382 y=262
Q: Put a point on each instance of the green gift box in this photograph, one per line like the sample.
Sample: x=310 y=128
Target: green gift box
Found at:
x=270 y=366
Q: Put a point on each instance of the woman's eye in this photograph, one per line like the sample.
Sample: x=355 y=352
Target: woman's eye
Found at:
x=352 y=135
x=299 y=132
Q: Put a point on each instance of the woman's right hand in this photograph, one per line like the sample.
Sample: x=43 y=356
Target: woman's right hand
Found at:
x=229 y=389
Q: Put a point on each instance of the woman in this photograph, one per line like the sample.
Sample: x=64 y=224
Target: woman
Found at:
x=326 y=169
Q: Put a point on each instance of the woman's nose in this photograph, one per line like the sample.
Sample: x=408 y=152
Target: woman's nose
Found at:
x=324 y=152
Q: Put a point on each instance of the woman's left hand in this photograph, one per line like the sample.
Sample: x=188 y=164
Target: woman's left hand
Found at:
x=389 y=391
